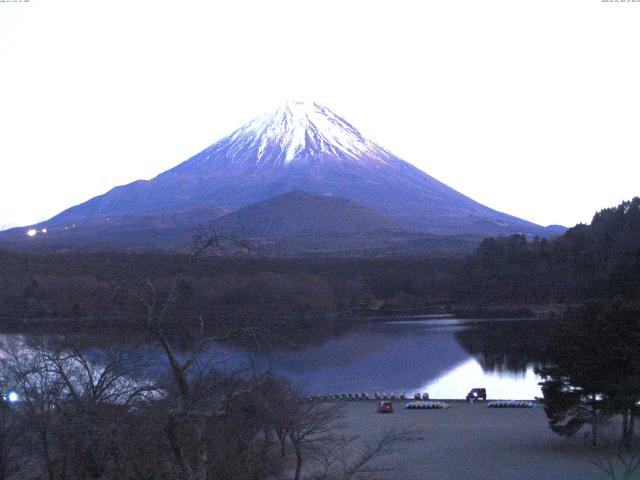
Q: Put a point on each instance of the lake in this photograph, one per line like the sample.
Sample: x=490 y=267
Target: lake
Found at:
x=442 y=355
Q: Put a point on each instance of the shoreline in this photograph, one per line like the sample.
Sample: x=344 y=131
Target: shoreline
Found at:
x=442 y=312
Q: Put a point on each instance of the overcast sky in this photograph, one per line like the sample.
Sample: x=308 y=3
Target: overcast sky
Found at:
x=529 y=107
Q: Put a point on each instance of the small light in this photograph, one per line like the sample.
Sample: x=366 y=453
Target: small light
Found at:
x=32 y=232
x=12 y=397
x=44 y=230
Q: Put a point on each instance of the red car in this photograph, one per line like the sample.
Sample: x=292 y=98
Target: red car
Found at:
x=385 y=407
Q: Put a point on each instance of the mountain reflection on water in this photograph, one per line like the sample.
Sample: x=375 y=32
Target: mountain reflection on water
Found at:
x=443 y=356
x=446 y=357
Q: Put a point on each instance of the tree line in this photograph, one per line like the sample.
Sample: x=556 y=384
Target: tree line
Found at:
x=596 y=261
x=88 y=286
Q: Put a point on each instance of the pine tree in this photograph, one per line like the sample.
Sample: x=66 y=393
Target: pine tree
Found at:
x=593 y=370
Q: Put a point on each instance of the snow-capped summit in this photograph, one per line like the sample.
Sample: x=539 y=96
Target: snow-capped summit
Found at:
x=299 y=128
x=297 y=131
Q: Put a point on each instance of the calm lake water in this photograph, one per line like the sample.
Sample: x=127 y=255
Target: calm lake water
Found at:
x=444 y=356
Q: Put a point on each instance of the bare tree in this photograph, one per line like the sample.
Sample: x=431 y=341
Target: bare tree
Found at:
x=622 y=464
x=345 y=458
x=40 y=395
x=11 y=433
x=189 y=413
x=309 y=427
x=72 y=410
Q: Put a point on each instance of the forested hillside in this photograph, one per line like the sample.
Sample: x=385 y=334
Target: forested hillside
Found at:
x=600 y=260
x=93 y=286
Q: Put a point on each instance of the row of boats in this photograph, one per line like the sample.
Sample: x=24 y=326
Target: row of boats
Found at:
x=420 y=401
x=364 y=396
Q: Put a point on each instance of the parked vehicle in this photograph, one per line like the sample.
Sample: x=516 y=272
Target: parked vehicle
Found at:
x=477 y=394
x=385 y=407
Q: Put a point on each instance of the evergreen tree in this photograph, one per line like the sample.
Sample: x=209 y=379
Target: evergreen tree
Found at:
x=593 y=370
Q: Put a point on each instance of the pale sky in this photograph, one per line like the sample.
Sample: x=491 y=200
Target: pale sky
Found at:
x=529 y=107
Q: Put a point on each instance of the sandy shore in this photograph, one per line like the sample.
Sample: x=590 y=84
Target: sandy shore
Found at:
x=473 y=442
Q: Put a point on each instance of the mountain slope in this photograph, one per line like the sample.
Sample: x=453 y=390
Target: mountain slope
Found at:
x=300 y=147
x=300 y=213
x=299 y=223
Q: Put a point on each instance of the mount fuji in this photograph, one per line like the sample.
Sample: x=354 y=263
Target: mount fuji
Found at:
x=300 y=147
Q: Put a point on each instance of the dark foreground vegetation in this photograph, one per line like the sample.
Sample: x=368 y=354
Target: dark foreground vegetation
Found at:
x=118 y=415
